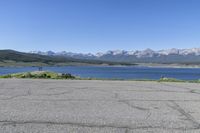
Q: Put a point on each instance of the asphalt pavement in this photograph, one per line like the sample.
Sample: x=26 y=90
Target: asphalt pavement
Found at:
x=95 y=106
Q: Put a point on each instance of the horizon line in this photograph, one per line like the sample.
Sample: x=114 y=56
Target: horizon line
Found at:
x=99 y=51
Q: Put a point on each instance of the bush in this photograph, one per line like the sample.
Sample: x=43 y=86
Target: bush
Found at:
x=170 y=80
x=67 y=76
x=44 y=75
x=48 y=76
x=29 y=75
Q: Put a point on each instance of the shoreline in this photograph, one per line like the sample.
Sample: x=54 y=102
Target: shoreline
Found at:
x=150 y=65
x=157 y=65
x=68 y=76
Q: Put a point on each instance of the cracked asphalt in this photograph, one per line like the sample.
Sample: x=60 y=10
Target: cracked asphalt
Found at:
x=94 y=106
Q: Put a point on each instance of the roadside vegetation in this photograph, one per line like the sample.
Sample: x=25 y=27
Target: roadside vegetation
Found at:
x=170 y=80
x=177 y=80
x=53 y=75
x=40 y=75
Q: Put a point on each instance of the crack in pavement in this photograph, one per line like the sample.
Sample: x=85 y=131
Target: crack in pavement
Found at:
x=16 y=96
x=188 y=117
x=91 y=125
x=174 y=86
x=126 y=130
x=153 y=89
x=82 y=88
x=10 y=88
x=148 y=115
x=93 y=89
x=13 y=97
x=116 y=96
x=133 y=106
x=189 y=90
x=55 y=94
x=30 y=93
x=97 y=100
x=55 y=88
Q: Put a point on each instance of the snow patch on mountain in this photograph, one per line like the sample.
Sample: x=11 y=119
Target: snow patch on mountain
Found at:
x=136 y=53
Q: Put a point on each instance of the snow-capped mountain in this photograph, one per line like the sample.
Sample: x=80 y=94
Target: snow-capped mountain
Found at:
x=148 y=55
x=43 y=53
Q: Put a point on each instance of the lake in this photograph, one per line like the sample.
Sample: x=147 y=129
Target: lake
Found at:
x=124 y=72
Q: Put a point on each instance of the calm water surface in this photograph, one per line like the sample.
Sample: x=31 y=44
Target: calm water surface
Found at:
x=125 y=72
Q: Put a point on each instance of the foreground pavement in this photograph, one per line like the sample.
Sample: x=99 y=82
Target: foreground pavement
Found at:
x=81 y=106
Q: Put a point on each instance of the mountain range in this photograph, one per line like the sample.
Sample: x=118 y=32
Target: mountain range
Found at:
x=186 y=56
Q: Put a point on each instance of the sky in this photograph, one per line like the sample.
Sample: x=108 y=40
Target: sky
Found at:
x=99 y=25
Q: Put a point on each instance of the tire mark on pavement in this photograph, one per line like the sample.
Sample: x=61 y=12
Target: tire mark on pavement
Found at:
x=116 y=96
x=133 y=106
x=188 y=117
x=55 y=94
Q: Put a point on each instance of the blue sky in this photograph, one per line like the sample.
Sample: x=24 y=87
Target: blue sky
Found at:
x=99 y=25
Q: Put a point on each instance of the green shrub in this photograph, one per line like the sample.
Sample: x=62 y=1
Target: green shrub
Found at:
x=6 y=76
x=170 y=80
x=28 y=75
x=48 y=76
x=67 y=76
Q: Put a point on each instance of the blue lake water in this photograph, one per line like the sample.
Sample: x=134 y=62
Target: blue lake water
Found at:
x=126 y=72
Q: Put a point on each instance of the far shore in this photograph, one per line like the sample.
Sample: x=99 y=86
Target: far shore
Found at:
x=155 y=65
x=160 y=65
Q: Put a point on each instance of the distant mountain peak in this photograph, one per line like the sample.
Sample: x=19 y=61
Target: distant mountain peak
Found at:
x=140 y=53
x=147 y=55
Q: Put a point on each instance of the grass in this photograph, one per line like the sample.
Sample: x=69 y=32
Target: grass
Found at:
x=39 y=75
x=177 y=80
x=160 y=80
x=170 y=80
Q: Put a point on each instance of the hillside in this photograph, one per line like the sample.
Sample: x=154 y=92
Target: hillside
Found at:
x=15 y=58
